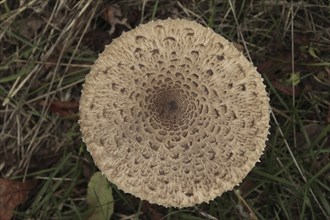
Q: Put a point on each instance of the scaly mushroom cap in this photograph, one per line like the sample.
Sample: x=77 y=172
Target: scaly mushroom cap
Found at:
x=173 y=113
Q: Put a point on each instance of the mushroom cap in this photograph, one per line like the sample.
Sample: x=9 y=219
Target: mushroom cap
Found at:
x=173 y=113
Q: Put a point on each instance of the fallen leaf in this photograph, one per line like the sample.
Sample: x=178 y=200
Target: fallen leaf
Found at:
x=246 y=187
x=12 y=193
x=62 y=108
x=112 y=14
x=97 y=39
x=152 y=211
x=288 y=90
x=99 y=198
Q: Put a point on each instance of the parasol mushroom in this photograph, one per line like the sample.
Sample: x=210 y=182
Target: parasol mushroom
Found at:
x=173 y=113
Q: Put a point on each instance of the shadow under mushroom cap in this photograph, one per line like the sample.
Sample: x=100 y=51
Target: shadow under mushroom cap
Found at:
x=173 y=113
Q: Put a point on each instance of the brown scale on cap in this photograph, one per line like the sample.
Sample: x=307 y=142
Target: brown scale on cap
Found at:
x=173 y=113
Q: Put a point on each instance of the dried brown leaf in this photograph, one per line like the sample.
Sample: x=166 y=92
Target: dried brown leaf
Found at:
x=246 y=187
x=12 y=193
x=63 y=108
x=288 y=90
x=113 y=15
x=97 y=39
x=152 y=211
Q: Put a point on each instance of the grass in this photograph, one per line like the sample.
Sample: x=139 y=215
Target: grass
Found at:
x=47 y=48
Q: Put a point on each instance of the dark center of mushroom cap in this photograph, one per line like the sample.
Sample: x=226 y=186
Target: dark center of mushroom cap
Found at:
x=169 y=106
x=172 y=106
